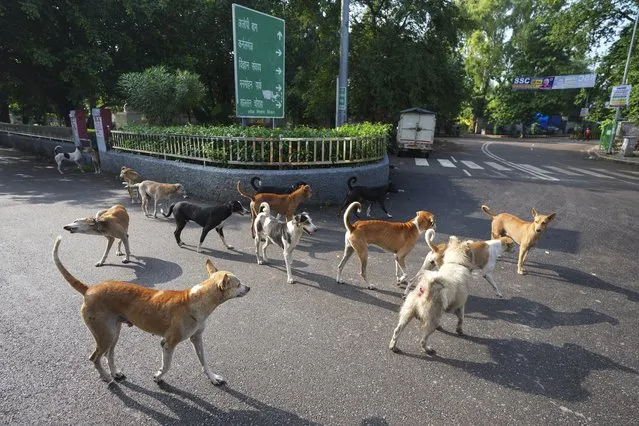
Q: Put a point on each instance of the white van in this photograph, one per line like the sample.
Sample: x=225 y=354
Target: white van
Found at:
x=416 y=131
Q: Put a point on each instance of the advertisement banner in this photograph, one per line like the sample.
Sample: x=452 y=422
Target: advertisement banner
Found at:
x=533 y=83
x=620 y=96
x=577 y=81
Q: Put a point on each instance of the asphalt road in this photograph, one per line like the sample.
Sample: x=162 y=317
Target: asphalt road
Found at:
x=560 y=348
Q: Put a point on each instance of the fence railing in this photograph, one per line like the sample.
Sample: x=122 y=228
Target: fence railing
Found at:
x=49 y=132
x=252 y=151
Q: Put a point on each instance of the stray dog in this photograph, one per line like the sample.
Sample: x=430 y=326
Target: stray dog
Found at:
x=484 y=256
x=158 y=191
x=525 y=234
x=285 y=234
x=256 y=183
x=61 y=156
x=372 y=194
x=111 y=223
x=208 y=217
x=130 y=177
x=173 y=314
x=437 y=292
x=398 y=238
x=285 y=204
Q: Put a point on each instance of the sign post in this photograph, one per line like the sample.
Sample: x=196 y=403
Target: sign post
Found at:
x=78 y=127
x=259 y=46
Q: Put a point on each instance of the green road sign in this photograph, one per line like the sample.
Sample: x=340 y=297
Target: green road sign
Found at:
x=258 y=44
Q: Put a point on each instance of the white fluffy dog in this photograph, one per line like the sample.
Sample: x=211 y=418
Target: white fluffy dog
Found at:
x=437 y=292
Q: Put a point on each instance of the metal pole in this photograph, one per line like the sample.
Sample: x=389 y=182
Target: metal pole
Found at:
x=343 y=65
x=625 y=74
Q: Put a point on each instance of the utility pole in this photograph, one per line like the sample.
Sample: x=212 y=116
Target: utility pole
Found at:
x=341 y=113
x=625 y=74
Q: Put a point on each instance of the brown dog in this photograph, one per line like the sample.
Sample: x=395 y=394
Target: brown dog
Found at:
x=173 y=314
x=285 y=204
x=111 y=223
x=523 y=233
x=157 y=191
x=398 y=238
x=130 y=178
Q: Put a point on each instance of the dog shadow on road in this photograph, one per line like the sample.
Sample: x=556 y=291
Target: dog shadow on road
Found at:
x=223 y=253
x=537 y=368
x=150 y=271
x=191 y=409
x=519 y=310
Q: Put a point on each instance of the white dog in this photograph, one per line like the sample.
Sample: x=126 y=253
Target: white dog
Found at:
x=75 y=157
x=285 y=234
x=437 y=292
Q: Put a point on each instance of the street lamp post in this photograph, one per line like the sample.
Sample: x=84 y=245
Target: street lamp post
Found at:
x=342 y=84
x=625 y=74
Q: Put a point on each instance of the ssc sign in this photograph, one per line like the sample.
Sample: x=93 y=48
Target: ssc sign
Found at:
x=522 y=80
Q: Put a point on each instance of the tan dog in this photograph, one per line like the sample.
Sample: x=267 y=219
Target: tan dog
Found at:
x=285 y=204
x=173 y=314
x=111 y=223
x=130 y=177
x=523 y=233
x=398 y=238
x=442 y=291
x=157 y=191
x=484 y=256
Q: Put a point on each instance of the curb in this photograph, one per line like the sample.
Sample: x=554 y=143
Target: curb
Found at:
x=594 y=151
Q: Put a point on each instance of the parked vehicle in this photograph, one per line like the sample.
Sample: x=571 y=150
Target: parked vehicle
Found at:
x=416 y=131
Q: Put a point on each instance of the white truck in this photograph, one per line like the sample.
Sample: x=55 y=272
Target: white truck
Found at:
x=416 y=131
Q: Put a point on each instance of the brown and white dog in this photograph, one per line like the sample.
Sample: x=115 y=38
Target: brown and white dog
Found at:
x=525 y=234
x=157 y=191
x=285 y=204
x=130 y=178
x=175 y=315
x=395 y=237
x=484 y=256
x=437 y=292
x=111 y=223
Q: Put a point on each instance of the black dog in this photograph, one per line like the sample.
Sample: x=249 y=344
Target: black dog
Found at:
x=372 y=194
x=270 y=189
x=208 y=217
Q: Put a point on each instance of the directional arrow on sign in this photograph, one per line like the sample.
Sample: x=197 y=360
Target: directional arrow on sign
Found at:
x=279 y=35
x=278 y=70
x=278 y=52
x=279 y=88
x=278 y=104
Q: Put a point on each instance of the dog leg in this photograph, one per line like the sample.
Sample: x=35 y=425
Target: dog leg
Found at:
x=427 y=330
x=288 y=260
x=205 y=231
x=106 y=252
x=400 y=264
x=178 y=231
x=79 y=166
x=264 y=246
x=115 y=373
x=196 y=340
x=59 y=168
x=258 y=244
x=404 y=319
x=155 y=208
x=220 y=232
x=523 y=252
x=362 y=253
x=488 y=276
x=460 y=320
x=348 y=252
x=368 y=210
x=381 y=204
x=167 y=356
x=126 y=249
x=105 y=338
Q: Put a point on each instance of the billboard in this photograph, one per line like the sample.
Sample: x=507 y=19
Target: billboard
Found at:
x=555 y=82
x=620 y=96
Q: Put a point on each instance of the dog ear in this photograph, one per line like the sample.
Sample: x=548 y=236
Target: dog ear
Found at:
x=210 y=268
x=224 y=282
x=534 y=212
x=551 y=216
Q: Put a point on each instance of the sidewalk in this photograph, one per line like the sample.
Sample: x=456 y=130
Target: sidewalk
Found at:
x=616 y=157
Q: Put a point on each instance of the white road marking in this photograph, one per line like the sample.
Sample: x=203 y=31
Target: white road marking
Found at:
x=566 y=172
x=472 y=165
x=453 y=158
x=534 y=169
x=588 y=172
x=421 y=162
x=467 y=172
x=617 y=174
x=446 y=163
x=497 y=166
x=543 y=176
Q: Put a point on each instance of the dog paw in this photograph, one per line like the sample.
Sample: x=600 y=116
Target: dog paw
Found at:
x=290 y=281
x=389 y=216
x=460 y=332
x=119 y=376
x=501 y=296
x=218 y=380
x=99 y=264
x=157 y=377
x=371 y=287
x=394 y=349
x=521 y=271
x=429 y=351
x=439 y=328
x=125 y=260
x=230 y=247
x=119 y=253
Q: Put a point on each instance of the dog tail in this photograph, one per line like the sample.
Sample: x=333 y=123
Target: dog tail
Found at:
x=254 y=183
x=75 y=283
x=243 y=194
x=351 y=181
x=170 y=212
x=347 y=223
x=487 y=210
x=57 y=149
x=264 y=208
x=430 y=237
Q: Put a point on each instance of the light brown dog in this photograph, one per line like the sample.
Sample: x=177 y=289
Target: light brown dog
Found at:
x=130 y=177
x=437 y=292
x=484 y=256
x=523 y=233
x=398 y=238
x=175 y=315
x=157 y=191
x=111 y=223
x=285 y=204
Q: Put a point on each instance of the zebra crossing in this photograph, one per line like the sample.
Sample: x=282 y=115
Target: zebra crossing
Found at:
x=545 y=172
